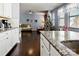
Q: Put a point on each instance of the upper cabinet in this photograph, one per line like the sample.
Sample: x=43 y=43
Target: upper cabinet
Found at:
x=8 y=10
x=1 y=9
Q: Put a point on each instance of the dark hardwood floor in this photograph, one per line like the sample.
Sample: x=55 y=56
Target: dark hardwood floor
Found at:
x=29 y=46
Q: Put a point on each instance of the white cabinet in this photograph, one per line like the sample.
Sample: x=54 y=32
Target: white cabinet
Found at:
x=46 y=43
x=43 y=50
x=7 y=40
x=44 y=46
x=1 y=9
x=53 y=51
x=46 y=49
x=15 y=34
x=3 y=43
x=8 y=10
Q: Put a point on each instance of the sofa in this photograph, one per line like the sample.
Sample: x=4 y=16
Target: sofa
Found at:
x=25 y=27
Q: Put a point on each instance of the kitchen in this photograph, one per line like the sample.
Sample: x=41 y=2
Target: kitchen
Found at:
x=53 y=28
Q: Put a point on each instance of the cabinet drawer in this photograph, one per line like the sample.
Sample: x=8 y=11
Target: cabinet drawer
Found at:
x=46 y=43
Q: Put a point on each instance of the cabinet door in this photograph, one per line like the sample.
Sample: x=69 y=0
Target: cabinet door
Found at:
x=11 y=38
x=4 y=44
x=7 y=40
x=1 y=9
x=46 y=43
x=16 y=35
x=43 y=50
x=53 y=51
x=7 y=10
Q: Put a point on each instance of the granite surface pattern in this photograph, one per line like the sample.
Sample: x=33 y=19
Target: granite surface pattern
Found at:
x=56 y=37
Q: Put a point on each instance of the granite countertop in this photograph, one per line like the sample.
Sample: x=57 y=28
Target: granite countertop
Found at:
x=56 y=37
x=6 y=29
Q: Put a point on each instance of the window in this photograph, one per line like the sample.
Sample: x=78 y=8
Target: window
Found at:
x=74 y=22
x=53 y=18
x=73 y=10
x=61 y=16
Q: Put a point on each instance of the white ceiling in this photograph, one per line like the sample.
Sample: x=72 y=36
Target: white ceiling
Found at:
x=38 y=6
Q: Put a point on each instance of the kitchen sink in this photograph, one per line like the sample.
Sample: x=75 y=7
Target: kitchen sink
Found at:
x=72 y=44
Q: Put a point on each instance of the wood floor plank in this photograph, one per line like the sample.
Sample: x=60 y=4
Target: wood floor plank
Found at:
x=29 y=46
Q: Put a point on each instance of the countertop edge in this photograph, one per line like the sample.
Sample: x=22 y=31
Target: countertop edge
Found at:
x=7 y=29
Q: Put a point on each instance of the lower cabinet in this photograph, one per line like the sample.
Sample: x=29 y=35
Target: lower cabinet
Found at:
x=46 y=49
x=53 y=51
x=7 y=40
x=3 y=45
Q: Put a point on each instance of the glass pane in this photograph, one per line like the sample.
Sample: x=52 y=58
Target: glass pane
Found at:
x=61 y=13
x=53 y=16
x=73 y=9
x=74 y=22
x=61 y=16
x=53 y=19
x=61 y=22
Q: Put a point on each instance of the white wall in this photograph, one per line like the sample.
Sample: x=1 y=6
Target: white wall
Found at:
x=32 y=17
x=16 y=13
x=39 y=18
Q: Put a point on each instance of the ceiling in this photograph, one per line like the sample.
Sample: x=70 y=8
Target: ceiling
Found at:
x=38 y=6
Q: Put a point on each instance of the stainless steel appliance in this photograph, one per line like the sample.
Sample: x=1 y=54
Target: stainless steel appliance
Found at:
x=6 y=24
x=1 y=25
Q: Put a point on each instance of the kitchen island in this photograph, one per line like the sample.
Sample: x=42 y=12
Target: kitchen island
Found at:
x=8 y=39
x=51 y=43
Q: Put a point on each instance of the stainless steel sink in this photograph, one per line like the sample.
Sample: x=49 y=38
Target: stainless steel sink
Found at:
x=72 y=44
